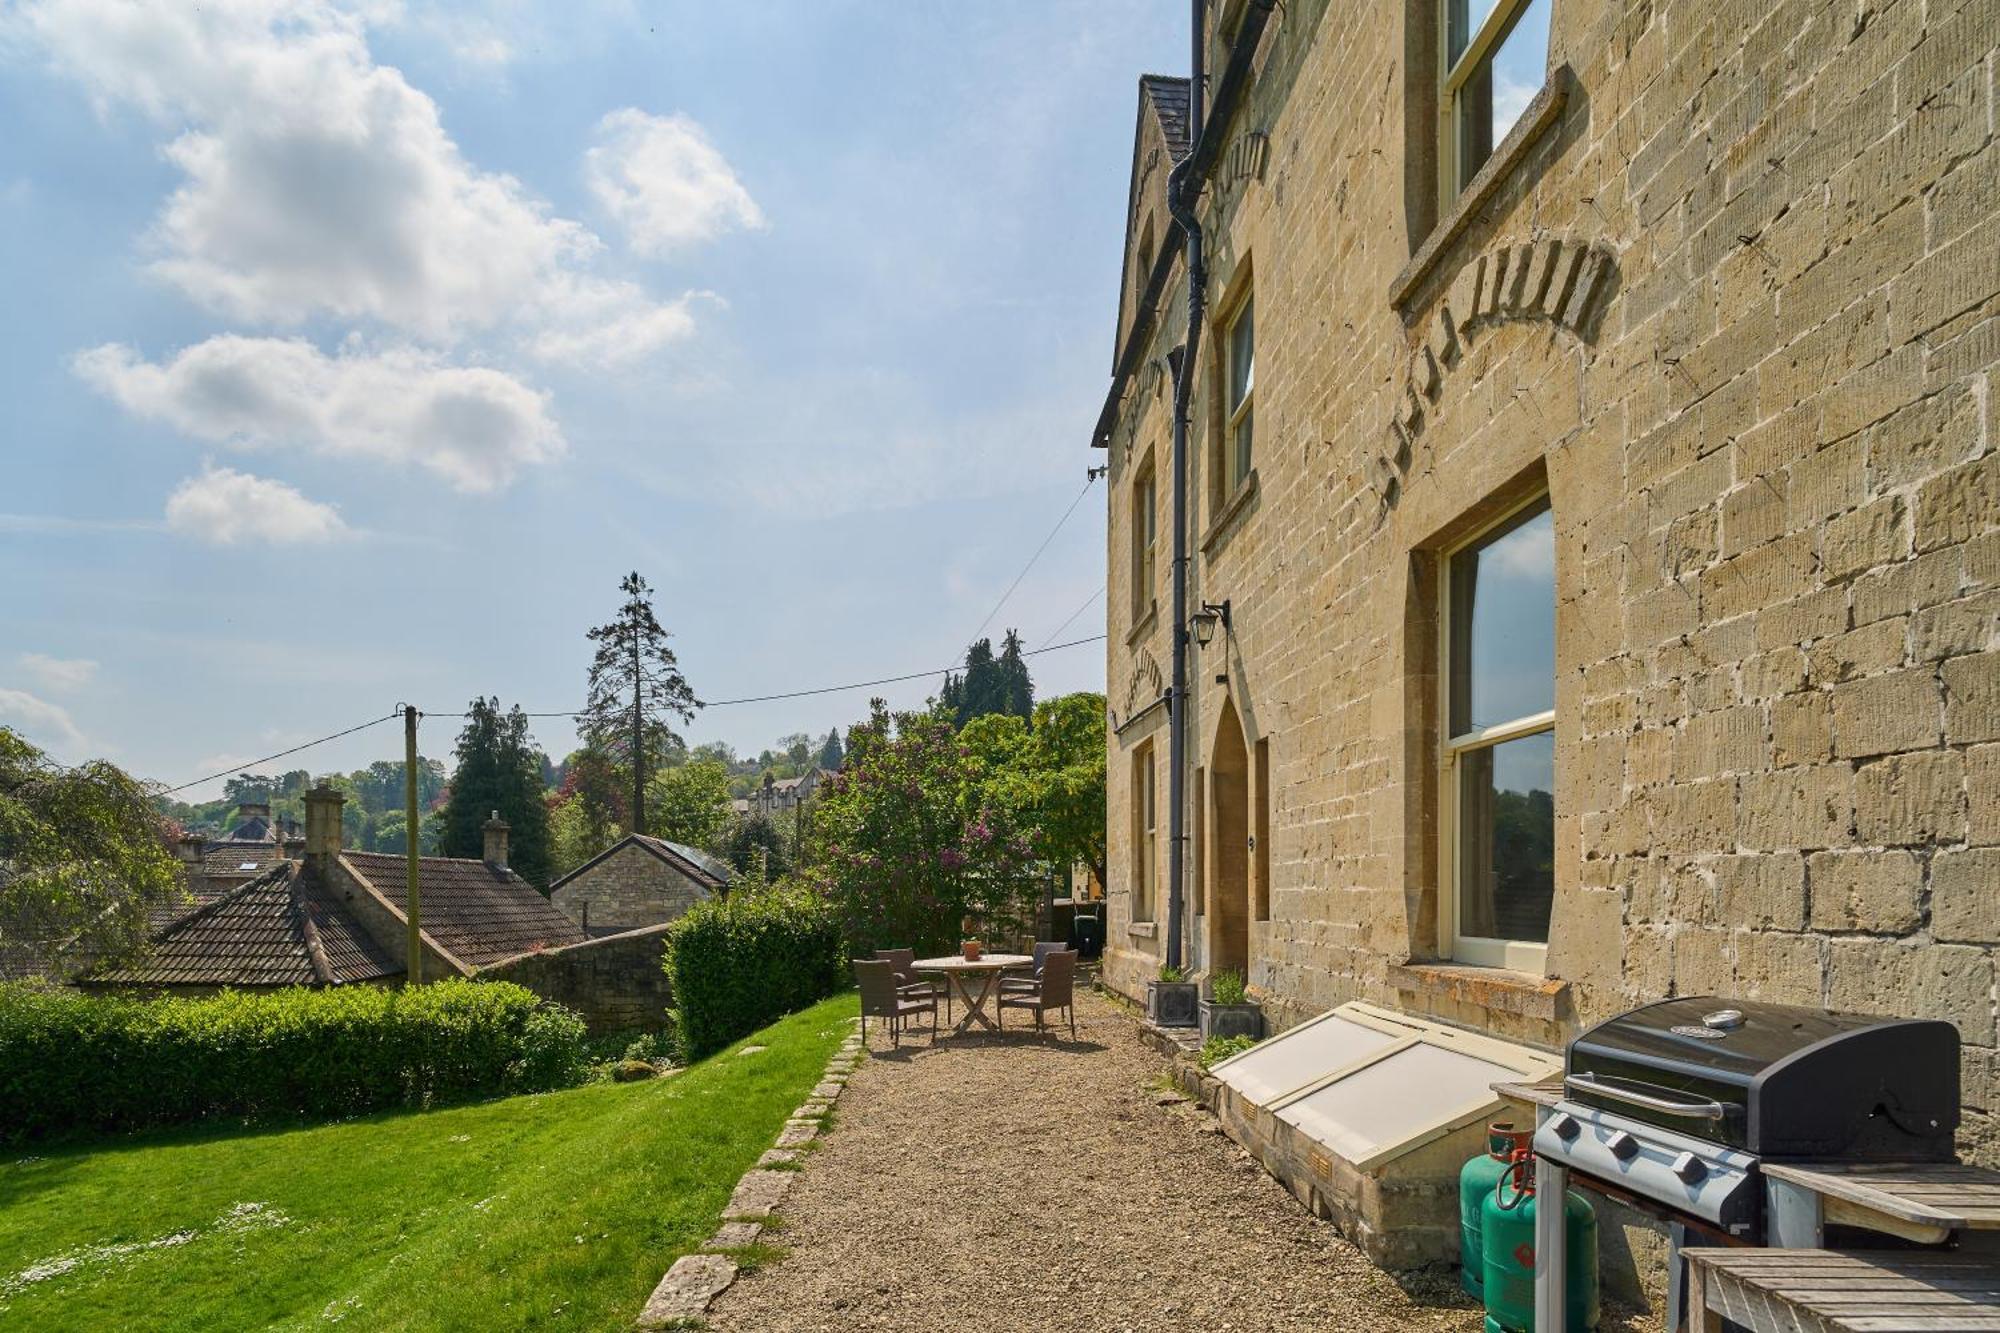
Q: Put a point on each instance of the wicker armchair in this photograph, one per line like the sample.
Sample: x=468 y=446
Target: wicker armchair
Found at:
x=1055 y=991
x=881 y=998
x=912 y=985
x=1043 y=948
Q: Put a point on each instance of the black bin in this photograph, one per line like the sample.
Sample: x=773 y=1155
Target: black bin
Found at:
x=1086 y=935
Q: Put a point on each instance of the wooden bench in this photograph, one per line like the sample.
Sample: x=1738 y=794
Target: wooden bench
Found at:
x=1842 y=1291
x=1923 y=1202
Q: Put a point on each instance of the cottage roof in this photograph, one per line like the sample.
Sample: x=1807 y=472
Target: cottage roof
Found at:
x=477 y=912
x=280 y=929
x=700 y=865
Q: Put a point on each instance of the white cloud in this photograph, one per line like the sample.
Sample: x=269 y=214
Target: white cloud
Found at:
x=473 y=426
x=223 y=507
x=316 y=181
x=46 y=724
x=664 y=182
x=58 y=673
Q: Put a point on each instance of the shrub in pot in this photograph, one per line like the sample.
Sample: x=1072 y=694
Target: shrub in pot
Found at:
x=1228 y=1012
x=1172 y=998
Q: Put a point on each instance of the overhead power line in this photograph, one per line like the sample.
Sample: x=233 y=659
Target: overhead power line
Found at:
x=1090 y=479
x=252 y=763
x=1074 y=614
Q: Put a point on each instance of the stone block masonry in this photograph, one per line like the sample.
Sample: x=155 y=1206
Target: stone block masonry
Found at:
x=617 y=982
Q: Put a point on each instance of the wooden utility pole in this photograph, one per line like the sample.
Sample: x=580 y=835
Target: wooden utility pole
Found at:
x=413 y=832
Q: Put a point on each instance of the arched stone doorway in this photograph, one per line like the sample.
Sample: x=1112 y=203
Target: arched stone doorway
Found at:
x=1229 y=880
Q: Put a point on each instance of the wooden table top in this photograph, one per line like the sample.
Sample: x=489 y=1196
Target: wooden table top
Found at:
x=1937 y=1194
x=986 y=962
x=1855 y=1291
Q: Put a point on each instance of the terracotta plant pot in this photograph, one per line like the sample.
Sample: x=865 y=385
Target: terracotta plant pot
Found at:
x=971 y=950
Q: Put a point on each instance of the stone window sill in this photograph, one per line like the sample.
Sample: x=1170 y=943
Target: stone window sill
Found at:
x=1540 y=113
x=1225 y=519
x=1485 y=987
x=1144 y=930
x=1144 y=626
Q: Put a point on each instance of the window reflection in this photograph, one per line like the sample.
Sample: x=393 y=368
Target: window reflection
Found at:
x=1503 y=624
x=1506 y=836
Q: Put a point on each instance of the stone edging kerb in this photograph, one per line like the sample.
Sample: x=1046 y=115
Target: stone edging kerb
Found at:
x=682 y=1298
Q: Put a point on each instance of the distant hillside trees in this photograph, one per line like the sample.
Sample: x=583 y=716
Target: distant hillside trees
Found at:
x=499 y=769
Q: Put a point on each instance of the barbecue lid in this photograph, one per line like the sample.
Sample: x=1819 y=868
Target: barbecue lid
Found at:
x=1723 y=1037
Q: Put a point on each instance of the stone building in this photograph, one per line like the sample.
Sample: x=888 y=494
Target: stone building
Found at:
x=779 y=796
x=1591 y=481
x=638 y=881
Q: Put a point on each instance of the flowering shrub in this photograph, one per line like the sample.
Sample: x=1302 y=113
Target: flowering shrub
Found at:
x=907 y=846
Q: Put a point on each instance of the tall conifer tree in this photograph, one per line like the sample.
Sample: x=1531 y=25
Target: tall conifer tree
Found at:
x=499 y=769
x=635 y=686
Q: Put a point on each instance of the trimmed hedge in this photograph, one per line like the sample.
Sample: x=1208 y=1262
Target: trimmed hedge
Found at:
x=740 y=962
x=76 y=1061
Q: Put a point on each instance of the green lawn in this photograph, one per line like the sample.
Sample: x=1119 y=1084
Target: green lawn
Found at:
x=552 y=1211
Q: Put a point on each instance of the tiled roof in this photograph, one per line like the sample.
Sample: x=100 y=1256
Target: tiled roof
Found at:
x=478 y=914
x=257 y=828
x=245 y=860
x=1169 y=99
x=703 y=865
x=280 y=929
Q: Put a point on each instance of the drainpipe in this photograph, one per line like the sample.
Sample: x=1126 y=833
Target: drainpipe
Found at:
x=1181 y=207
x=1184 y=185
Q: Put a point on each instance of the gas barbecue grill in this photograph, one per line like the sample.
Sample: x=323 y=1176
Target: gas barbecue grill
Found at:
x=1673 y=1106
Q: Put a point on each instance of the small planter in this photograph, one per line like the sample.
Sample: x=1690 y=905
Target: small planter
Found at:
x=1231 y=1020
x=1172 y=1004
x=970 y=949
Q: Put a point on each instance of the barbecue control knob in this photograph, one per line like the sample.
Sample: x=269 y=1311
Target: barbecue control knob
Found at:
x=1723 y=1020
x=1689 y=1168
x=1565 y=1126
x=1623 y=1146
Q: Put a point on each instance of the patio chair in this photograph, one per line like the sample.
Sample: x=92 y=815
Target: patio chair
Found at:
x=880 y=998
x=1043 y=948
x=912 y=985
x=1054 y=991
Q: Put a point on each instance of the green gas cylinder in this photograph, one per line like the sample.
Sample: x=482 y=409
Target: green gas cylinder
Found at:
x=1475 y=1185
x=1507 y=1242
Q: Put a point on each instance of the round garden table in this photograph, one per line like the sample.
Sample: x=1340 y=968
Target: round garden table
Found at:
x=961 y=975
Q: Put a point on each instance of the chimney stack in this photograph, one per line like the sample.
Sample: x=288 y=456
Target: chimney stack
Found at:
x=323 y=823
x=496 y=841
x=191 y=847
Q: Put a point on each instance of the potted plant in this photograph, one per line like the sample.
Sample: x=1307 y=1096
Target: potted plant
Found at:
x=1171 y=1000
x=970 y=950
x=1228 y=1011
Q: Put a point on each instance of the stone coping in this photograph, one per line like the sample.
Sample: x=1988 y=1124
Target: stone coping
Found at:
x=684 y=1293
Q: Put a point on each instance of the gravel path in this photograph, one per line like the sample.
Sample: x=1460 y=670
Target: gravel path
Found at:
x=1008 y=1184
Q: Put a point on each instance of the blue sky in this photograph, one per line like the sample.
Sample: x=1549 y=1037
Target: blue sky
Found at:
x=357 y=351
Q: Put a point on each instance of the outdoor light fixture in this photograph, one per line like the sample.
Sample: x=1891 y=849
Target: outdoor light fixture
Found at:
x=1206 y=619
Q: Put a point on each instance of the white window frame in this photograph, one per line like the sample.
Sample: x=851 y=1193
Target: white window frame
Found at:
x=1527 y=956
x=1239 y=430
x=1452 y=78
x=1145 y=540
x=1145 y=796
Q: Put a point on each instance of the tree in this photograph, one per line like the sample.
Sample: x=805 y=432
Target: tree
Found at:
x=906 y=845
x=84 y=861
x=751 y=838
x=499 y=769
x=831 y=754
x=691 y=803
x=799 y=749
x=1050 y=777
x=635 y=686
x=990 y=684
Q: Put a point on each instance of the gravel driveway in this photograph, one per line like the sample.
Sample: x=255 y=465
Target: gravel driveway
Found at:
x=1009 y=1184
